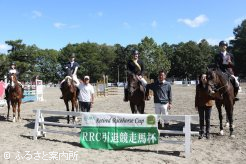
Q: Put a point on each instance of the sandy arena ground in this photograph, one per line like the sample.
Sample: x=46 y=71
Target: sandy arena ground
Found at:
x=16 y=138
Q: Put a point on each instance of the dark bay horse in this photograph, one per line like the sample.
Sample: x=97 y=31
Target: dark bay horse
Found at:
x=69 y=93
x=220 y=87
x=136 y=94
x=14 y=97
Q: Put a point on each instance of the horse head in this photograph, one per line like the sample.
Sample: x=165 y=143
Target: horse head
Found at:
x=68 y=85
x=217 y=81
x=13 y=80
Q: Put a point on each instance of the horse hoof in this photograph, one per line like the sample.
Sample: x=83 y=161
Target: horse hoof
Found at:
x=14 y=119
x=227 y=125
x=221 y=132
x=232 y=136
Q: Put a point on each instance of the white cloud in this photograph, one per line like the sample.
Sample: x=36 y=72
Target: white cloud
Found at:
x=74 y=26
x=229 y=38
x=59 y=25
x=36 y=14
x=126 y=25
x=4 y=48
x=196 y=22
x=154 y=24
x=100 y=14
x=238 y=21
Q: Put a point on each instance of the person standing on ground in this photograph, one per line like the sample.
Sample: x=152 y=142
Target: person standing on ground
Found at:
x=86 y=95
x=162 y=95
x=203 y=104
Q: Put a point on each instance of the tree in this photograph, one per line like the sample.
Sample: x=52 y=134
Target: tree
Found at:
x=239 y=48
x=153 y=56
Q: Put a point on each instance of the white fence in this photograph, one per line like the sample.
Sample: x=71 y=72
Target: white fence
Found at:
x=40 y=130
x=187 y=119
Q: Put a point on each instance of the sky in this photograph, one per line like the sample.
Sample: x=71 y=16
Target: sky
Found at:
x=52 y=24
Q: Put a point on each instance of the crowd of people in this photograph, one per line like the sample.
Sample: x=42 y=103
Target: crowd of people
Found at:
x=162 y=92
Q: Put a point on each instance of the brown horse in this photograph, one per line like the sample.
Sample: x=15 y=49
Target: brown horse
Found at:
x=136 y=94
x=220 y=87
x=14 y=97
x=69 y=93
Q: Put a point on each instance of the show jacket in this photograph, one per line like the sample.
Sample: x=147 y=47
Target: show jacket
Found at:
x=202 y=99
x=131 y=66
x=224 y=67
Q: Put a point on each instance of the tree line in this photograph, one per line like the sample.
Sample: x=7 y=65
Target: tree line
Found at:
x=182 y=60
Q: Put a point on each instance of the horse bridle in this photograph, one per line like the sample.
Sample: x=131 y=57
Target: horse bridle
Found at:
x=218 y=89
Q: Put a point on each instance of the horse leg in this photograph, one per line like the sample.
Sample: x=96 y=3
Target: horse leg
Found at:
x=8 y=104
x=14 y=111
x=229 y=113
x=141 y=108
x=133 y=108
x=73 y=104
x=19 y=103
x=67 y=106
x=76 y=107
x=219 y=108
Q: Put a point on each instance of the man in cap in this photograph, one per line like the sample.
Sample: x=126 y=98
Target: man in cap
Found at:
x=86 y=95
x=71 y=70
x=225 y=62
x=136 y=66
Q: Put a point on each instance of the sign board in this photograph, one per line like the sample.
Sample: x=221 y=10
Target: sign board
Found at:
x=116 y=131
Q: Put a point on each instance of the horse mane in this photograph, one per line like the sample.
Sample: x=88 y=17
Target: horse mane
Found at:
x=223 y=76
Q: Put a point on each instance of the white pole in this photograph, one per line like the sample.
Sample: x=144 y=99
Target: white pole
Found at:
x=118 y=74
x=187 y=131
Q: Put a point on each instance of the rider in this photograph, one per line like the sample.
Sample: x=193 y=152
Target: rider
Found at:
x=71 y=70
x=12 y=70
x=225 y=62
x=136 y=66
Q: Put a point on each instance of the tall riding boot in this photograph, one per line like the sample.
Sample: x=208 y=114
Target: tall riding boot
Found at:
x=22 y=92
x=77 y=93
x=126 y=94
x=235 y=93
x=61 y=97
x=6 y=94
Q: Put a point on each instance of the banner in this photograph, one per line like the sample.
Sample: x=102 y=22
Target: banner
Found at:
x=116 y=131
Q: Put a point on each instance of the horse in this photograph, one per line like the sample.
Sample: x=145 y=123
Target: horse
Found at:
x=14 y=97
x=136 y=94
x=69 y=93
x=222 y=90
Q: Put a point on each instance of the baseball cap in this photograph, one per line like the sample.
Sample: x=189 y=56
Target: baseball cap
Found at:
x=87 y=77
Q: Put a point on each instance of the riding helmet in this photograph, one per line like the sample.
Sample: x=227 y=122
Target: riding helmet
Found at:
x=72 y=55
x=13 y=63
x=223 y=43
x=135 y=52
